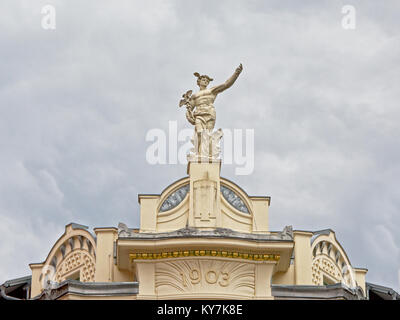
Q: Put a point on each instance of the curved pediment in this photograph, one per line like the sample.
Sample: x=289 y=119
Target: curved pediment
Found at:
x=330 y=262
x=174 y=199
x=236 y=196
x=172 y=207
x=73 y=256
x=203 y=200
x=174 y=204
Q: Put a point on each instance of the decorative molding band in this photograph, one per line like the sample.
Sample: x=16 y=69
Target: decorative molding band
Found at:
x=204 y=253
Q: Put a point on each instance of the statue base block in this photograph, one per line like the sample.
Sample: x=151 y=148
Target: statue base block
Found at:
x=204 y=207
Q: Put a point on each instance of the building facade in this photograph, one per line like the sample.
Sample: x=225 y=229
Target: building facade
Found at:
x=203 y=237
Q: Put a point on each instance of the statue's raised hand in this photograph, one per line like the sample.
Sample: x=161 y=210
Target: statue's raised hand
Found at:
x=239 y=69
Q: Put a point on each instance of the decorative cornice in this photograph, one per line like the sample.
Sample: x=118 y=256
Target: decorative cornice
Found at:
x=126 y=233
x=203 y=253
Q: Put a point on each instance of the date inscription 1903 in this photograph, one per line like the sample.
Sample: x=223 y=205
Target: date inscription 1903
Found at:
x=211 y=276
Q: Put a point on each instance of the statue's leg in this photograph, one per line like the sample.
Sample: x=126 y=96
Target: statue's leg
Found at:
x=198 y=129
x=210 y=126
x=198 y=143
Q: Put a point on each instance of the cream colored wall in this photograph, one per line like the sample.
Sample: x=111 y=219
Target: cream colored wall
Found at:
x=360 y=278
x=36 y=286
x=105 y=253
x=148 y=213
x=234 y=219
x=106 y=270
x=284 y=277
x=302 y=258
x=260 y=214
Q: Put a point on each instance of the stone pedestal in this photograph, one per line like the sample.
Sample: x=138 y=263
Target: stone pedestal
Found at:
x=205 y=203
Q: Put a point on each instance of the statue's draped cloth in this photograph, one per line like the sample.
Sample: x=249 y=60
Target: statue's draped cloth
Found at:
x=205 y=114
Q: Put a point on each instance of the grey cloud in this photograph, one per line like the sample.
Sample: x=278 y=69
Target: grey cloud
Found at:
x=76 y=104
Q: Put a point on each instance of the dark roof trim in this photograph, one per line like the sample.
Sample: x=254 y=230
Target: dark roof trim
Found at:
x=328 y=292
x=17 y=281
x=94 y=289
x=385 y=293
x=77 y=226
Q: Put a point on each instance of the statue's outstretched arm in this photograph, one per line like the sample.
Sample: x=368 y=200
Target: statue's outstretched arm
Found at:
x=228 y=83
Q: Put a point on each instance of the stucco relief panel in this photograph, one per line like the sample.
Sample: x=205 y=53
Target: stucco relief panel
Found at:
x=186 y=276
x=77 y=260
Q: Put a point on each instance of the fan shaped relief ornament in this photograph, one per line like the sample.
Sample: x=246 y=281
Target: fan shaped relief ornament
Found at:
x=200 y=112
x=204 y=276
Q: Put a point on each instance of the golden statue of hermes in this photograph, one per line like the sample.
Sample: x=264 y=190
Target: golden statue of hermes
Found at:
x=201 y=112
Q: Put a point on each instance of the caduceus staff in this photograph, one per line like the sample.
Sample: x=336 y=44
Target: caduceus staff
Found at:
x=189 y=106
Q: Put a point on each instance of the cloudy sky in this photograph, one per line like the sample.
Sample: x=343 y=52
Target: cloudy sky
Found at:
x=77 y=102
